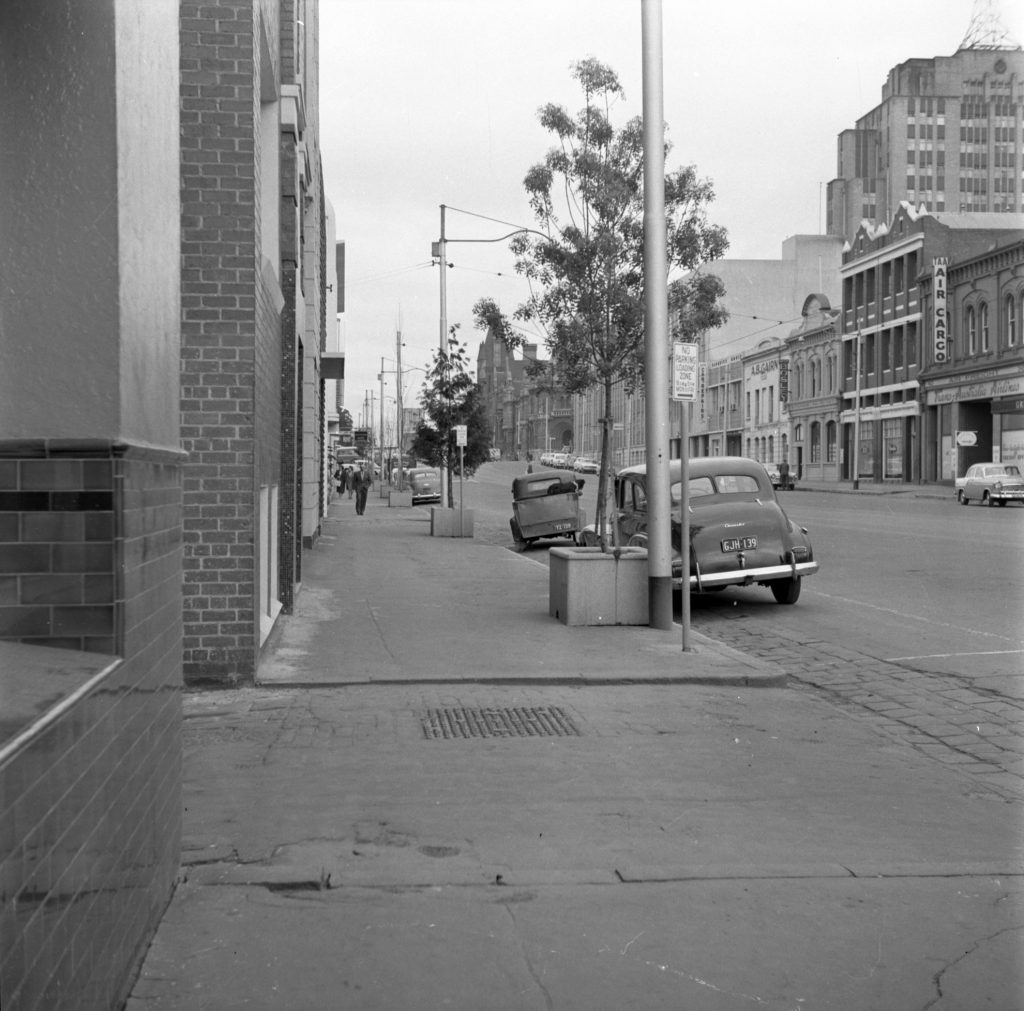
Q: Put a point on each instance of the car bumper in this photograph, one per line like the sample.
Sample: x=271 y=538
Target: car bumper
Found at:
x=1007 y=496
x=748 y=577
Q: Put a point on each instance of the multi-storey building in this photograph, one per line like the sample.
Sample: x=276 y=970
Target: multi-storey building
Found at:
x=811 y=402
x=765 y=429
x=945 y=137
x=972 y=381
x=882 y=332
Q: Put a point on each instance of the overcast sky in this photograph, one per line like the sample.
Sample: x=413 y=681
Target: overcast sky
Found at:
x=430 y=102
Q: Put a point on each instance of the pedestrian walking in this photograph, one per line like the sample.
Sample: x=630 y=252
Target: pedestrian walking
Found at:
x=784 y=474
x=350 y=480
x=363 y=481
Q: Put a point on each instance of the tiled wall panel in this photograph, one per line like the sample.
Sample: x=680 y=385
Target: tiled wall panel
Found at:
x=90 y=807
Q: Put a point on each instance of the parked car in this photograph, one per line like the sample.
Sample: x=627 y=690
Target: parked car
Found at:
x=776 y=478
x=991 y=483
x=545 y=504
x=425 y=485
x=559 y=459
x=739 y=533
x=584 y=465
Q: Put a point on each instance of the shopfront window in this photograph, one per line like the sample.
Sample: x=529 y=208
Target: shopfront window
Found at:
x=892 y=443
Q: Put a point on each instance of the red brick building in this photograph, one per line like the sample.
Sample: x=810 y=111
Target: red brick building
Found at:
x=254 y=268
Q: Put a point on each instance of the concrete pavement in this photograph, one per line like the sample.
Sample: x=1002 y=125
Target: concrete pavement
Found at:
x=439 y=797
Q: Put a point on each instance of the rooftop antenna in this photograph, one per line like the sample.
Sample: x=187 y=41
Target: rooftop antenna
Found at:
x=986 y=30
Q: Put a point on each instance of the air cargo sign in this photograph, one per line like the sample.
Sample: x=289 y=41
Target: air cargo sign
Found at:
x=940 y=334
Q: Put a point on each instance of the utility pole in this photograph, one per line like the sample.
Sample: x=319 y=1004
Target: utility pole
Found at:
x=401 y=412
x=382 y=422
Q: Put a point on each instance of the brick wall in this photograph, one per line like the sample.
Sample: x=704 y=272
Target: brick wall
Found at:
x=90 y=803
x=223 y=323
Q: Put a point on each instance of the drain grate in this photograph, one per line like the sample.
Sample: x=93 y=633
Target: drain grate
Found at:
x=537 y=721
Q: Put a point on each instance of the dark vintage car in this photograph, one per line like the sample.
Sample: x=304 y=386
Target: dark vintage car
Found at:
x=425 y=485
x=991 y=484
x=545 y=504
x=739 y=534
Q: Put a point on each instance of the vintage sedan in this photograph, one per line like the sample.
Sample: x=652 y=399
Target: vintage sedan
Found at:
x=425 y=485
x=739 y=533
x=584 y=465
x=991 y=484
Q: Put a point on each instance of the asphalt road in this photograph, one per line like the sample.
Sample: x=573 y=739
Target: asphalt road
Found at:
x=914 y=619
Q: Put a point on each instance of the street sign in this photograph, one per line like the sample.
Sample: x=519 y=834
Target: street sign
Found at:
x=967 y=438
x=684 y=371
x=460 y=435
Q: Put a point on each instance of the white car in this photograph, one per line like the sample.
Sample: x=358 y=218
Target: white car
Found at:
x=991 y=484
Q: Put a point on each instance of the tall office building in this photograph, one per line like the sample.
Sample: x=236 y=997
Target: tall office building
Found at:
x=947 y=135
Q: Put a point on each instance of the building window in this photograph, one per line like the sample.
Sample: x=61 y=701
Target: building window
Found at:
x=1011 y=321
x=815 y=442
x=798 y=433
x=771 y=404
x=830 y=441
x=983 y=326
x=971 y=330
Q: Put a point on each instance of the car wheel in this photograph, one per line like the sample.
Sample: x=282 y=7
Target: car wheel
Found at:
x=1002 y=502
x=964 y=500
x=986 y=499
x=786 y=591
x=517 y=535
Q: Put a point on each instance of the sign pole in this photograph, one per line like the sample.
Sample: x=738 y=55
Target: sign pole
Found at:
x=685 y=382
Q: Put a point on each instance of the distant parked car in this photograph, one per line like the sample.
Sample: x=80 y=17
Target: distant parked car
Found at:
x=559 y=459
x=425 y=485
x=584 y=465
x=739 y=534
x=776 y=478
x=991 y=484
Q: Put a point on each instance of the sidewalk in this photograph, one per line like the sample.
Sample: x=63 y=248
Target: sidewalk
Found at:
x=439 y=797
x=383 y=602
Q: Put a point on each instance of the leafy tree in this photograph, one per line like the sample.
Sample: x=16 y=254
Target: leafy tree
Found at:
x=585 y=260
x=451 y=397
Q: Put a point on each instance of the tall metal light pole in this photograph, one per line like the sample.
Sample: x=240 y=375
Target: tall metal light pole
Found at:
x=659 y=541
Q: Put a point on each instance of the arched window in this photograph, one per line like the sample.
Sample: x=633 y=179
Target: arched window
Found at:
x=798 y=433
x=815 y=442
x=1011 y=321
x=815 y=377
x=983 y=326
x=971 y=330
x=830 y=441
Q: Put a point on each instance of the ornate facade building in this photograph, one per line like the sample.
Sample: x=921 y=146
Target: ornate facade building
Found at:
x=812 y=400
x=973 y=377
x=883 y=328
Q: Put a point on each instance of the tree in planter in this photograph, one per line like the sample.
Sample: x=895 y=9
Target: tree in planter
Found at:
x=451 y=397
x=585 y=261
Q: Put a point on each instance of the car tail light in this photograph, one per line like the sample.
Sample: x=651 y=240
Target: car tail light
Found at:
x=800 y=551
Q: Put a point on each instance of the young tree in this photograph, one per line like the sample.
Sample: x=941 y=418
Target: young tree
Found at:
x=585 y=261
x=451 y=397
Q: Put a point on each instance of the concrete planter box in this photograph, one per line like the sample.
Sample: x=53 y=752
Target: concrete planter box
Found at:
x=590 y=587
x=400 y=499
x=451 y=522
